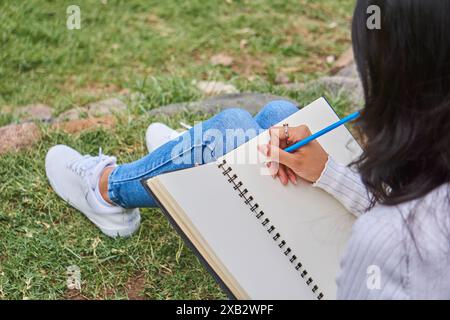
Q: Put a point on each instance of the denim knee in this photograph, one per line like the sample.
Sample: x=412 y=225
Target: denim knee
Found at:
x=229 y=129
x=275 y=112
x=234 y=118
x=279 y=109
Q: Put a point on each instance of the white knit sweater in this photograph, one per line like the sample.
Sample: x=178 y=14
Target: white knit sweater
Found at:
x=394 y=252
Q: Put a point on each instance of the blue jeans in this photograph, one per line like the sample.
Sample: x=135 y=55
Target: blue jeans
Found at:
x=204 y=143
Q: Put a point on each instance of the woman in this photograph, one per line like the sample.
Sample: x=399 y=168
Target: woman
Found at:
x=399 y=188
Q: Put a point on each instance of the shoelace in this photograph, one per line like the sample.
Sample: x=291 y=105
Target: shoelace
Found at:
x=83 y=165
x=184 y=125
x=175 y=134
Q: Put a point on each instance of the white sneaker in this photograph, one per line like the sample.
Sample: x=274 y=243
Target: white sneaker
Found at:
x=158 y=134
x=75 y=178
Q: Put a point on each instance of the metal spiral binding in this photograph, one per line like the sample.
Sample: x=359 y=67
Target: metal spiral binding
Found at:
x=249 y=200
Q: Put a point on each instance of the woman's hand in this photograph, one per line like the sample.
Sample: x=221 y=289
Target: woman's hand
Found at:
x=307 y=162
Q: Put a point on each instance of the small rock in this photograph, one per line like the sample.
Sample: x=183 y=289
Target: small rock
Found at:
x=349 y=71
x=211 y=88
x=106 y=107
x=297 y=86
x=282 y=78
x=221 y=60
x=15 y=137
x=78 y=125
x=243 y=44
x=124 y=92
x=136 y=97
x=344 y=60
x=246 y=31
x=39 y=112
x=332 y=25
x=152 y=18
x=331 y=59
x=72 y=114
x=350 y=86
x=337 y=83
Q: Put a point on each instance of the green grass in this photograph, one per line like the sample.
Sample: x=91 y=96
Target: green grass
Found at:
x=155 y=48
x=125 y=41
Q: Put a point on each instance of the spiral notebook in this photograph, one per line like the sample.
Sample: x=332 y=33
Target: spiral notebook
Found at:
x=258 y=238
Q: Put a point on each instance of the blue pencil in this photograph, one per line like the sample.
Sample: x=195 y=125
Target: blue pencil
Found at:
x=320 y=133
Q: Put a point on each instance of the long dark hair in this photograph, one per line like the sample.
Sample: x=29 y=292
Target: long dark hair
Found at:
x=405 y=70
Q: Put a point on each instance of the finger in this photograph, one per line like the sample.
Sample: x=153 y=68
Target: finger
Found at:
x=278 y=137
x=299 y=133
x=282 y=175
x=274 y=167
x=280 y=156
x=291 y=175
x=271 y=166
x=263 y=149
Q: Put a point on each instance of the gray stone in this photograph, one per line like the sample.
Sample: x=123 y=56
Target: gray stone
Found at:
x=349 y=71
x=94 y=110
x=296 y=86
x=72 y=114
x=106 y=107
x=39 y=112
x=15 y=137
x=251 y=102
x=346 y=81
x=336 y=85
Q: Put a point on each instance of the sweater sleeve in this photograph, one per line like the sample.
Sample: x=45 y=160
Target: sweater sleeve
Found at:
x=345 y=185
x=375 y=263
